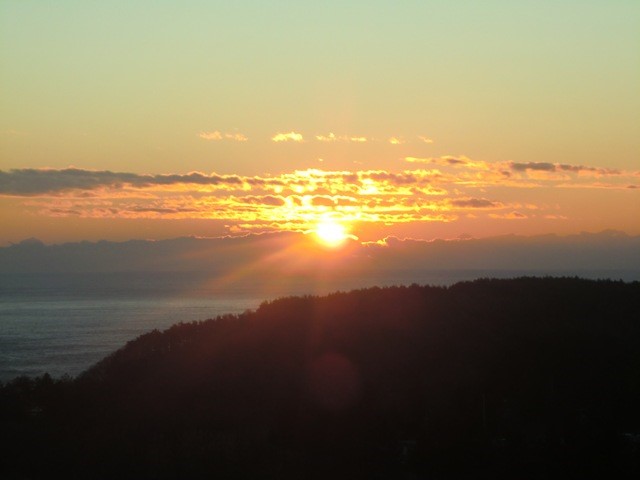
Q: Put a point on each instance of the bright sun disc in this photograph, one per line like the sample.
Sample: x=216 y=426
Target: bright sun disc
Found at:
x=331 y=234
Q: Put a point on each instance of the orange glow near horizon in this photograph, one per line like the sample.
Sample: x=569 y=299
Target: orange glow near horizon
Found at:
x=452 y=195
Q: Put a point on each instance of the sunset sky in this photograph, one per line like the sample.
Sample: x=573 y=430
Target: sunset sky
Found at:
x=417 y=119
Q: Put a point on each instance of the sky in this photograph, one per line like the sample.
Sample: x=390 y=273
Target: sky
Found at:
x=413 y=119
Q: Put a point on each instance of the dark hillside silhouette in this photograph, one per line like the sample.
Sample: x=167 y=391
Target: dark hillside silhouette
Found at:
x=524 y=378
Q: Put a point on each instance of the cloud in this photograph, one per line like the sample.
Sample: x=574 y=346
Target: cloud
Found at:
x=217 y=135
x=580 y=170
x=597 y=186
x=417 y=160
x=64 y=212
x=508 y=216
x=393 y=140
x=289 y=201
x=453 y=161
x=332 y=137
x=211 y=135
x=161 y=210
x=444 y=189
x=454 y=173
x=327 y=138
x=461 y=170
x=33 y=182
x=475 y=203
x=271 y=200
x=288 y=137
x=539 y=166
x=322 y=201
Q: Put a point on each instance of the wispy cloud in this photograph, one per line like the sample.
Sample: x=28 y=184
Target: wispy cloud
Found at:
x=457 y=162
x=332 y=137
x=34 y=182
x=288 y=137
x=476 y=203
x=508 y=216
x=581 y=170
x=293 y=136
x=513 y=174
x=217 y=135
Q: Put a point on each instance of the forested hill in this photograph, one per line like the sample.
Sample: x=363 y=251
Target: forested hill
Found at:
x=534 y=378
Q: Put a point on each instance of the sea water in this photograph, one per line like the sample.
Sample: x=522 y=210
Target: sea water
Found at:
x=64 y=323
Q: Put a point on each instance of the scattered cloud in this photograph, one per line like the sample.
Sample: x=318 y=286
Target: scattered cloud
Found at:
x=217 y=135
x=327 y=138
x=475 y=203
x=596 y=186
x=508 y=216
x=456 y=162
x=543 y=166
x=479 y=173
x=580 y=170
x=440 y=189
x=292 y=136
x=211 y=135
x=332 y=137
x=288 y=137
x=34 y=182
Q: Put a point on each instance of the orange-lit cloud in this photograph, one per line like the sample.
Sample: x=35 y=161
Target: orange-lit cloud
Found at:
x=513 y=174
x=34 y=182
x=332 y=137
x=475 y=203
x=508 y=216
x=446 y=190
x=563 y=167
x=293 y=136
x=217 y=135
x=288 y=137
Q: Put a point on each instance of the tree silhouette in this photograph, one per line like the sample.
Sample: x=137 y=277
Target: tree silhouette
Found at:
x=531 y=377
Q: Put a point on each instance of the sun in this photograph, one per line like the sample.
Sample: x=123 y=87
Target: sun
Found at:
x=331 y=233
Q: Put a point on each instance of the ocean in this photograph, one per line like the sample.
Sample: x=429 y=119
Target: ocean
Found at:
x=64 y=323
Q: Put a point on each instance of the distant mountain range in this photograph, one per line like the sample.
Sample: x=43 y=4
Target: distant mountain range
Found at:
x=298 y=254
